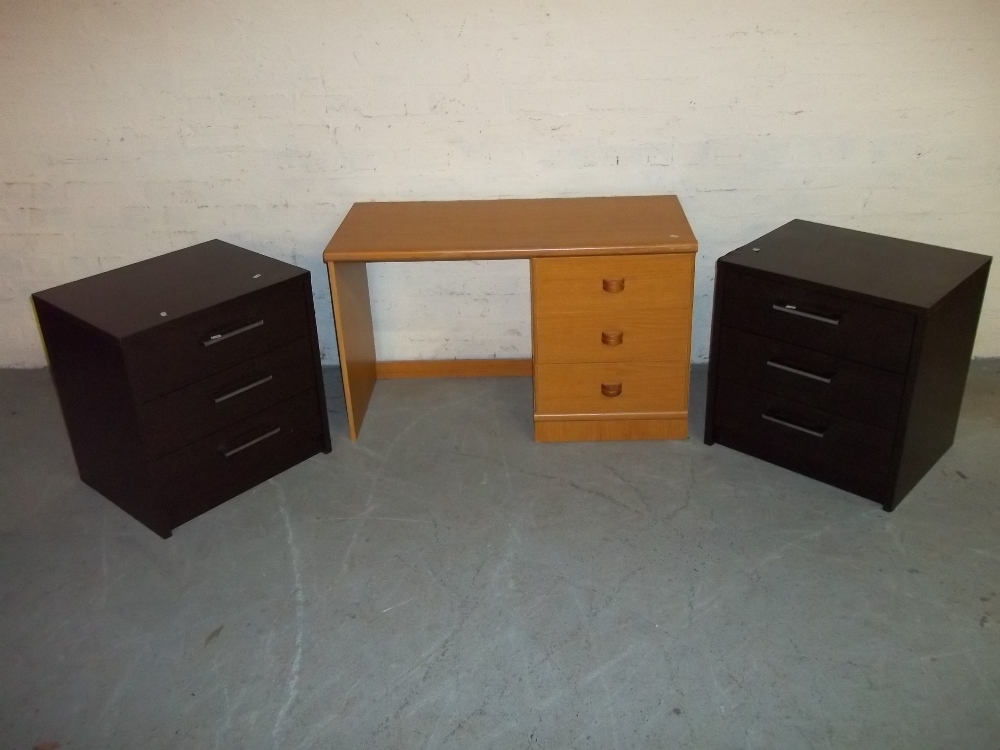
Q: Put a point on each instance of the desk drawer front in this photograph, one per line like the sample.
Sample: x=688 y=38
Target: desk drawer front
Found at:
x=611 y=283
x=176 y=419
x=163 y=360
x=814 y=442
x=628 y=336
x=620 y=389
x=851 y=390
x=817 y=320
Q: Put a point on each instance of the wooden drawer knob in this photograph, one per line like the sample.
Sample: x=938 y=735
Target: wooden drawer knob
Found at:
x=613 y=285
x=612 y=338
x=611 y=389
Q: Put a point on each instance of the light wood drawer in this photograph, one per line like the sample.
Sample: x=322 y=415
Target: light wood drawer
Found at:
x=611 y=283
x=638 y=335
x=618 y=389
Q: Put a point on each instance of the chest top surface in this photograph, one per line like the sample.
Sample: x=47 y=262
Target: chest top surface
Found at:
x=130 y=299
x=511 y=228
x=903 y=273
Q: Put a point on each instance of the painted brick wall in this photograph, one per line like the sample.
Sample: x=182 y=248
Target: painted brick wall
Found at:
x=128 y=129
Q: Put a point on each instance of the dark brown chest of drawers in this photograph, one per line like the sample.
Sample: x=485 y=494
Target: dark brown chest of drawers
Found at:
x=186 y=379
x=842 y=355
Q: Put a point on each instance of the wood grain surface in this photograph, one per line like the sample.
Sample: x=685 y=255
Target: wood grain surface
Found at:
x=352 y=317
x=645 y=335
x=570 y=285
x=612 y=429
x=512 y=228
x=647 y=389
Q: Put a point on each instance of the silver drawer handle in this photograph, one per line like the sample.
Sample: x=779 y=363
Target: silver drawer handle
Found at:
x=793 y=310
x=792 y=425
x=229 y=334
x=256 y=440
x=244 y=389
x=797 y=371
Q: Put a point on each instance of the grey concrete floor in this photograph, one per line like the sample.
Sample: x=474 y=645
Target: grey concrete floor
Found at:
x=445 y=582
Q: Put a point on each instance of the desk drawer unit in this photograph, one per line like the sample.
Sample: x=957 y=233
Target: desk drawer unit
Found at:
x=596 y=390
x=187 y=378
x=611 y=340
x=842 y=355
x=630 y=335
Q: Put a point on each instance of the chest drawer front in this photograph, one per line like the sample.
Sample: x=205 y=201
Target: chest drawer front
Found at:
x=235 y=450
x=611 y=283
x=843 y=452
x=185 y=415
x=201 y=476
x=167 y=358
x=617 y=388
x=627 y=336
x=846 y=388
x=817 y=320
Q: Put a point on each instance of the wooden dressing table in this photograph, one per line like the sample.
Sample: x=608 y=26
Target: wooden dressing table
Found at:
x=611 y=296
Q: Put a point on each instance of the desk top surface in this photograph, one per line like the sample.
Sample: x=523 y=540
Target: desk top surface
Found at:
x=512 y=228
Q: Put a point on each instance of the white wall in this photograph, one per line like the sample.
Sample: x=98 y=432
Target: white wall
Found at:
x=130 y=128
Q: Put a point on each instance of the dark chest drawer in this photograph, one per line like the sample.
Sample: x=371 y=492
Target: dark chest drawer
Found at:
x=179 y=418
x=161 y=364
x=837 y=385
x=841 y=451
x=842 y=355
x=825 y=322
x=168 y=357
x=236 y=458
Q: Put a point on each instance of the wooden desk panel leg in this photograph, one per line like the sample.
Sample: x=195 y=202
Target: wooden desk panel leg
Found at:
x=352 y=317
